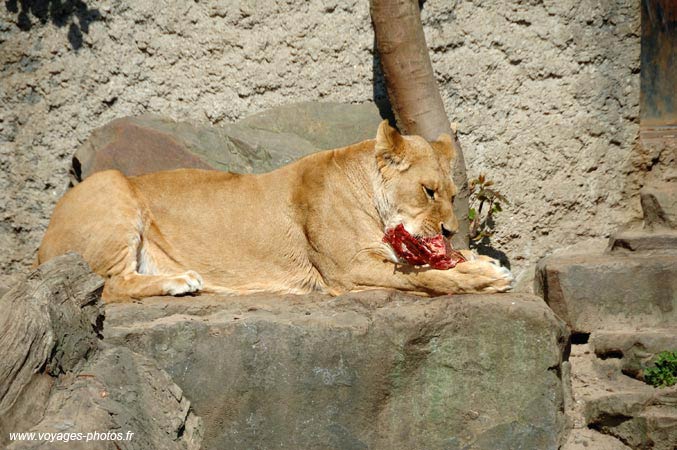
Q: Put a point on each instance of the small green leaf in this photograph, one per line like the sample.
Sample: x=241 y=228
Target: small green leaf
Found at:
x=472 y=213
x=664 y=371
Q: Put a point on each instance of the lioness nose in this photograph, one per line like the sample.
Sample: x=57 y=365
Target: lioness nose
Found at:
x=446 y=232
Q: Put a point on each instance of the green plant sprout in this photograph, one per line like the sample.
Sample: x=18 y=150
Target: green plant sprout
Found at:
x=664 y=371
x=485 y=202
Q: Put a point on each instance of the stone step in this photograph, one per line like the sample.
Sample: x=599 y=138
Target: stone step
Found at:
x=635 y=349
x=609 y=402
x=376 y=369
x=638 y=420
x=659 y=204
x=664 y=241
x=610 y=292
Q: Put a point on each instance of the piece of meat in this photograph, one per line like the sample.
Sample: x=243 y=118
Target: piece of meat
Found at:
x=434 y=251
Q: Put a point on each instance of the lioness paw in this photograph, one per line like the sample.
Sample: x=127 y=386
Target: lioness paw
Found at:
x=503 y=282
x=485 y=275
x=186 y=283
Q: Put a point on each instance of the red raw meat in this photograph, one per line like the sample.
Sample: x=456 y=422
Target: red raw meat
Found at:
x=434 y=251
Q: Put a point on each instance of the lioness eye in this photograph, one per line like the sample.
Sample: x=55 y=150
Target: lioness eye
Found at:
x=429 y=192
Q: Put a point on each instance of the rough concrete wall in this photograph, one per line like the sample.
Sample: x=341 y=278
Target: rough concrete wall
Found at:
x=546 y=94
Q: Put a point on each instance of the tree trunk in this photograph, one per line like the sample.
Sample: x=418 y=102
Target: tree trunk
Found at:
x=412 y=89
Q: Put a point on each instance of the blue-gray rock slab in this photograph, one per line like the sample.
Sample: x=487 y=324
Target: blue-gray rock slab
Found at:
x=260 y=143
x=610 y=292
x=369 y=370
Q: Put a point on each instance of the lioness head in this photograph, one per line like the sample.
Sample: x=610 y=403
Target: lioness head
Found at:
x=414 y=185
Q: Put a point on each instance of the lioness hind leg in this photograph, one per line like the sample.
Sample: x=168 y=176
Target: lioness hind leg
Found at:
x=107 y=221
x=150 y=272
x=136 y=285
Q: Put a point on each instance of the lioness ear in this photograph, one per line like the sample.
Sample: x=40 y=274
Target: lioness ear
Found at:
x=445 y=144
x=389 y=149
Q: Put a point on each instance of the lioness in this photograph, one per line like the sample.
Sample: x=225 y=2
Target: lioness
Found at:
x=314 y=225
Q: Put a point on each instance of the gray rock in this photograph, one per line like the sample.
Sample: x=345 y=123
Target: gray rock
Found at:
x=607 y=292
x=620 y=407
x=621 y=297
x=48 y=323
x=56 y=376
x=376 y=369
x=636 y=349
x=323 y=125
x=123 y=396
x=138 y=145
x=641 y=417
x=658 y=233
x=659 y=204
x=645 y=241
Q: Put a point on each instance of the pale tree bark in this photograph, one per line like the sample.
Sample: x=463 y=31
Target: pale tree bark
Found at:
x=412 y=89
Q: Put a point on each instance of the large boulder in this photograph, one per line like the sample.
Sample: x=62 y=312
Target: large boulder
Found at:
x=265 y=141
x=377 y=369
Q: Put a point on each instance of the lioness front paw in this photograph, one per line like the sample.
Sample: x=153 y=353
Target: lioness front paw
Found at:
x=485 y=275
x=186 y=283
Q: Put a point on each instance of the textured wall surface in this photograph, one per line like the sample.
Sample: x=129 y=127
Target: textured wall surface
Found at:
x=546 y=94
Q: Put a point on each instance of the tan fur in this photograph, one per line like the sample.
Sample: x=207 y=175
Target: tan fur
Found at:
x=314 y=225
